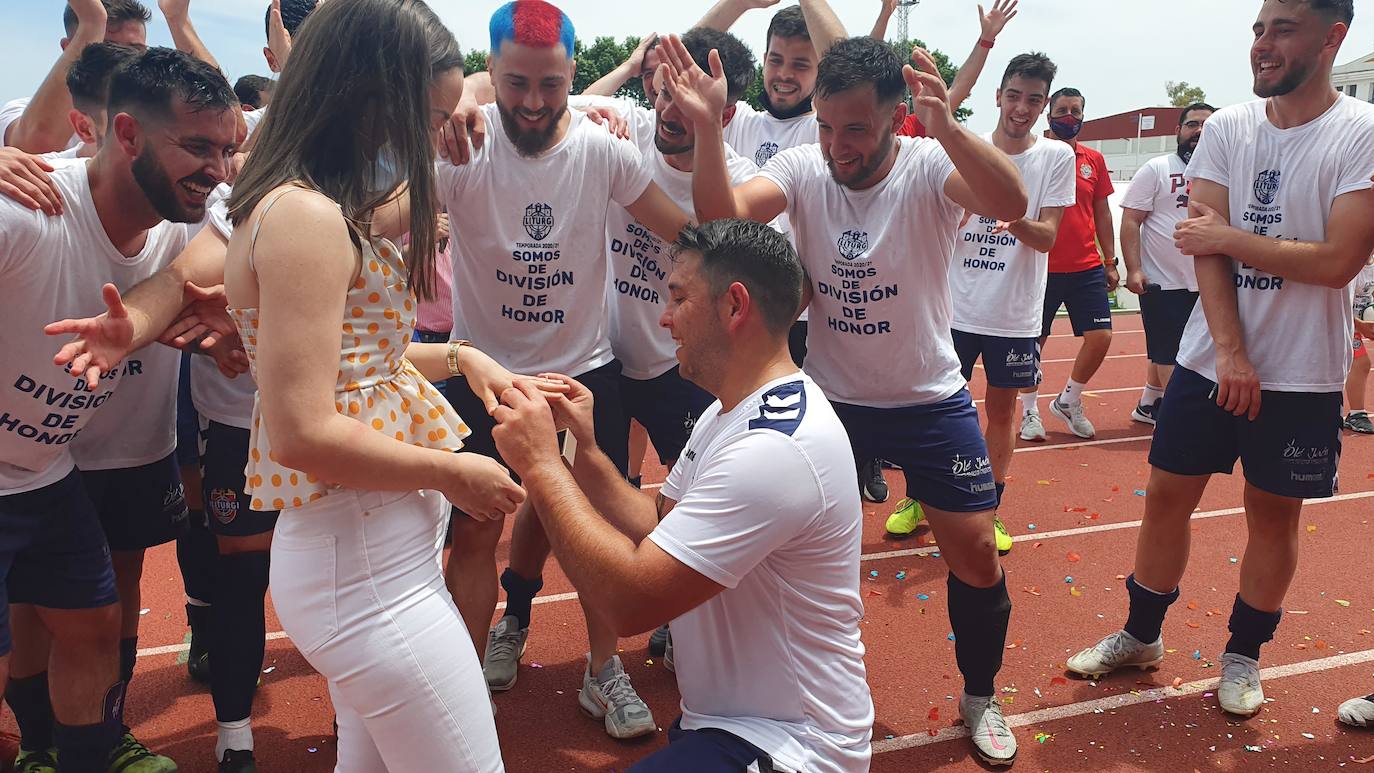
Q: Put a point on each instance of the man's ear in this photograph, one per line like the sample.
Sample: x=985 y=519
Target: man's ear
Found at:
x=728 y=115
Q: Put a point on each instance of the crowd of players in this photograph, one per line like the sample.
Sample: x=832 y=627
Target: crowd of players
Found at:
x=384 y=352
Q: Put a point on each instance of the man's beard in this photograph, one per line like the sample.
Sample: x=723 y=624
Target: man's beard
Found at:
x=533 y=142
x=1186 y=148
x=803 y=107
x=1298 y=73
x=160 y=191
x=870 y=165
x=668 y=149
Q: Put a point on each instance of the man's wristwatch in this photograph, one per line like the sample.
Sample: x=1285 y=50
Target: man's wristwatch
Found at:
x=453 y=347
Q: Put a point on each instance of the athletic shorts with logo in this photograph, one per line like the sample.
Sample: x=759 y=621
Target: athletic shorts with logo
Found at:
x=140 y=507
x=1008 y=363
x=223 y=457
x=52 y=552
x=1085 y=295
x=188 y=420
x=607 y=415
x=705 y=750
x=1292 y=449
x=939 y=447
x=667 y=406
x=1164 y=314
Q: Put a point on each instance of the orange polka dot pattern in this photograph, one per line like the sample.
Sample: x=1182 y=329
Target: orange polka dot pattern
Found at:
x=376 y=385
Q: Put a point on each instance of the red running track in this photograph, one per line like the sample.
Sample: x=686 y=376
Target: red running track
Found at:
x=1074 y=508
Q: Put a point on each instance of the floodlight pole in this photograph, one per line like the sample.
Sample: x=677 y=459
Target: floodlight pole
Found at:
x=903 y=11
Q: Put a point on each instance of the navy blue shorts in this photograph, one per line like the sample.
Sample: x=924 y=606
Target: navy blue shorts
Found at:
x=431 y=337
x=1085 y=295
x=667 y=406
x=1291 y=450
x=709 y=750
x=52 y=552
x=1009 y=363
x=223 y=455
x=1165 y=314
x=939 y=447
x=140 y=507
x=188 y=422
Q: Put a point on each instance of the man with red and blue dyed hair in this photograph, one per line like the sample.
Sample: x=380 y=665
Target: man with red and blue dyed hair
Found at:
x=531 y=23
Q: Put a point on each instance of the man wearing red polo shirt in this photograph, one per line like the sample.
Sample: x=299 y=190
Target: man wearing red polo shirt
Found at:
x=1082 y=273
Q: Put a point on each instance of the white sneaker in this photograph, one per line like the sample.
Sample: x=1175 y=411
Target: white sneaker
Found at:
x=610 y=696
x=1239 y=692
x=1357 y=712
x=991 y=735
x=1072 y=414
x=1031 y=428
x=1117 y=651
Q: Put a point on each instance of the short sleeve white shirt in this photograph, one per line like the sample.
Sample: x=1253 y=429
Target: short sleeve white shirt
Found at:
x=530 y=266
x=997 y=282
x=879 y=263
x=1282 y=184
x=1160 y=188
x=768 y=506
x=12 y=111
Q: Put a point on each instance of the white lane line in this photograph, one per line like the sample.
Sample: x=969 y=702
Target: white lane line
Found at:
x=1071 y=359
x=1087 y=393
x=1084 y=444
x=1114 y=333
x=1041 y=536
x=1114 y=702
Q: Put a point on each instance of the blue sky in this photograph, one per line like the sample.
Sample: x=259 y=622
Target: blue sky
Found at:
x=1118 y=52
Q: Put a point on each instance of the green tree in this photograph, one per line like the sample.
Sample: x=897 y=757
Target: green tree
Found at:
x=947 y=68
x=1182 y=94
x=593 y=62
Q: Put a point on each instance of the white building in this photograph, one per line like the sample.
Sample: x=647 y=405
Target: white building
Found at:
x=1355 y=78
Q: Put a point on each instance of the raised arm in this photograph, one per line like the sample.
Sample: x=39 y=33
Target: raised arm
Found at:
x=990 y=25
x=184 y=36
x=822 y=25
x=631 y=68
x=45 y=127
x=725 y=13
x=885 y=10
x=985 y=180
x=656 y=211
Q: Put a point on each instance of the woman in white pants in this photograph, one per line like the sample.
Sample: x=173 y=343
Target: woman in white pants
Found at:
x=349 y=439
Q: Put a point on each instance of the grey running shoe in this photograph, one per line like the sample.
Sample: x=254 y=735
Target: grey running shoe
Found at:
x=1239 y=692
x=1031 y=428
x=505 y=647
x=1073 y=416
x=992 y=737
x=1357 y=712
x=610 y=696
x=1116 y=651
x=1359 y=422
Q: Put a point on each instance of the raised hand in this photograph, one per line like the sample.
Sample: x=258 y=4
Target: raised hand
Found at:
x=635 y=63
x=929 y=96
x=91 y=14
x=701 y=97
x=993 y=23
x=100 y=343
x=278 y=39
x=177 y=9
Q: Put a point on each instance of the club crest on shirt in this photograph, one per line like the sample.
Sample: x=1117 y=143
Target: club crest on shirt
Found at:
x=1086 y=170
x=1267 y=185
x=224 y=503
x=538 y=221
x=766 y=151
x=852 y=244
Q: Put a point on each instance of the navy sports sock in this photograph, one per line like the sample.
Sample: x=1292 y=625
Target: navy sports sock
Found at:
x=86 y=748
x=1148 y=608
x=197 y=553
x=128 y=658
x=1001 y=487
x=29 y=700
x=238 y=633
x=979 y=618
x=520 y=595
x=1250 y=628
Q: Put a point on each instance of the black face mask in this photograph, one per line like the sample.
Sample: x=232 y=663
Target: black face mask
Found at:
x=802 y=107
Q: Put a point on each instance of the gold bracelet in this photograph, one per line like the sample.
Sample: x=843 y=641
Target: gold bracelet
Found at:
x=453 y=347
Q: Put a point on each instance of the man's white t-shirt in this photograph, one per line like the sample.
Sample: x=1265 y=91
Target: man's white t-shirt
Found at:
x=1282 y=184
x=1161 y=189
x=768 y=506
x=530 y=267
x=997 y=282
x=759 y=136
x=879 y=264
x=224 y=400
x=12 y=111
x=52 y=268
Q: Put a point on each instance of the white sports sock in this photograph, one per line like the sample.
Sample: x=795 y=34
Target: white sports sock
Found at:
x=1073 y=393
x=1028 y=402
x=1151 y=394
x=234 y=735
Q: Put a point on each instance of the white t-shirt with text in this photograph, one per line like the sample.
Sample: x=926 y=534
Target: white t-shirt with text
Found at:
x=1160 y=188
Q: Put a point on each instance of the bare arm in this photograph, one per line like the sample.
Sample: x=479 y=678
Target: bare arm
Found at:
x=45 y=127
x=611 y=82
x=658 y=212
x=822 y=25
x=184 y=35
x=885 y=12
x=1106 y=230
x=990 y=26
x=723 y=15
x=1131 y=221
x=1038 y=234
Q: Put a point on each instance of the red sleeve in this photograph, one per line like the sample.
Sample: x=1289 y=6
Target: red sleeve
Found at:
x=912 y=127
x=1104 y=178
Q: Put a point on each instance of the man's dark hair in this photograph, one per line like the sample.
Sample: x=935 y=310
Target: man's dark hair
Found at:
x=735 y=57
x=88 y=79
x=250 y=88
x=1032 y=66
x=854 y=62
x=147 y=85
x=293 y=13
x=757 y=257
x=789 y=23
x=1065 y=93
x=116 y=12
x=1183 y=116
x=1340 y=10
